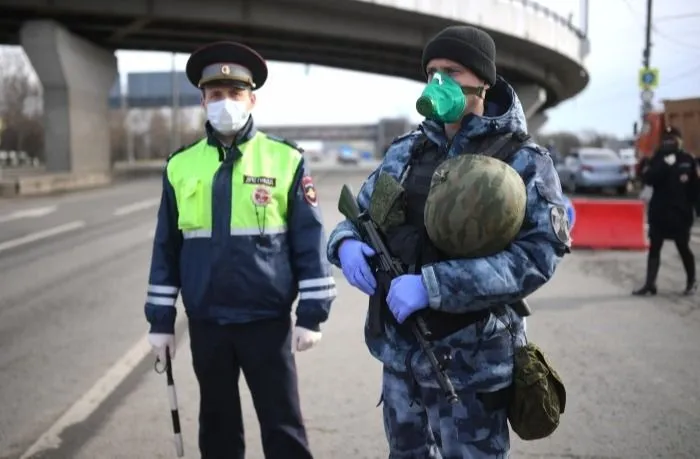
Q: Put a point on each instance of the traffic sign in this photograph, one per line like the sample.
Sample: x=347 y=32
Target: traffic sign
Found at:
x=648 y=78
x=647 y=95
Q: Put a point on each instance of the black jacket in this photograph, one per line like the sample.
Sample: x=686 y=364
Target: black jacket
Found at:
x=676 y=196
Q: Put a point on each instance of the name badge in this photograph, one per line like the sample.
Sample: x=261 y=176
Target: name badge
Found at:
x=265 y=181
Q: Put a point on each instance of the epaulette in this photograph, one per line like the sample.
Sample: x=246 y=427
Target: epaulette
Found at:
x=285 y=141
x=181 y=149
x=521 y=136
x=536 y=148
x=405 y=136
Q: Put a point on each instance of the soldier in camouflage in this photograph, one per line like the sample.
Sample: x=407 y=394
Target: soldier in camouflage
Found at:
x=464 y=300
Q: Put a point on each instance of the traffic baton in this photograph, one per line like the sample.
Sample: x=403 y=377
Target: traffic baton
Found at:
x=172 y=397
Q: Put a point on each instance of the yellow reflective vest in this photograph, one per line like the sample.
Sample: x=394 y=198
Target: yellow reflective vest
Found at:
x=239 y=236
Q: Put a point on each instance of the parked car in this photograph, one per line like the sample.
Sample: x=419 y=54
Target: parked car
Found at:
x=348 y=156
x=593 y=168
x=629 y=158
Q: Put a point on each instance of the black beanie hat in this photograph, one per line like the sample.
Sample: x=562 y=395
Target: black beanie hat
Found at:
x=466 y=45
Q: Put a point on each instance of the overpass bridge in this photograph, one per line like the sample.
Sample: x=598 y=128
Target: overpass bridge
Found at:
x=173 y=89
x=381 y=133
x=71 y=44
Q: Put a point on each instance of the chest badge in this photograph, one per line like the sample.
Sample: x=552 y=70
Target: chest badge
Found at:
x=684 y=178
x=261 y=196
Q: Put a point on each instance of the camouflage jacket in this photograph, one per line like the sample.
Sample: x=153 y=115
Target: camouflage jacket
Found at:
x=472 y=284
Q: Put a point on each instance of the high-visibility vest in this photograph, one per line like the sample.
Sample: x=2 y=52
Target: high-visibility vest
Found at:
x=261 y=179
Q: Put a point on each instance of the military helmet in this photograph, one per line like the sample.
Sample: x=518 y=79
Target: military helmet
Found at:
x=475 y=207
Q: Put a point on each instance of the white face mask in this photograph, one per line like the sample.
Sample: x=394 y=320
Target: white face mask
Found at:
x=227 y=116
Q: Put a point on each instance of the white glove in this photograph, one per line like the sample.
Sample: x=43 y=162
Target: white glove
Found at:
x=160 y=342
x=303 y=338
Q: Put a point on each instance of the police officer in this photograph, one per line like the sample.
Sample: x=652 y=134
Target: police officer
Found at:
x=240 y=235
x=672 y=173
x=466 y=297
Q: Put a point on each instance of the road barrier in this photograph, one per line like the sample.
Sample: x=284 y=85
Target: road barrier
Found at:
x=603 y=224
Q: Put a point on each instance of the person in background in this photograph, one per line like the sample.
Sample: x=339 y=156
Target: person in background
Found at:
x=673 y=175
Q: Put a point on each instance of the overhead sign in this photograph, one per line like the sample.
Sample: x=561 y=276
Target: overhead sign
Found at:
x=648 y=78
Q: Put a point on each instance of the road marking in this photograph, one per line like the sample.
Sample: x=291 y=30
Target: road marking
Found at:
x=95 y=396
x=137 y=206
x=28 y=213
x=39 y=235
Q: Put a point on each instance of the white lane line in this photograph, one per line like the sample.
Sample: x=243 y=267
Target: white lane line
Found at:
x=95 y=396
x=36 y=212
x=39 y=235
x=137 y=206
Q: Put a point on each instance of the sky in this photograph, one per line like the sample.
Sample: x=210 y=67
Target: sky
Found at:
x=300 y=94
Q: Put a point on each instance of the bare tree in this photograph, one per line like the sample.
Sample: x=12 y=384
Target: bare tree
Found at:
x=596 y=139
x=20 y=105
x=117 y=134
x=160 y=135
x=188 y=133
x=563 y=142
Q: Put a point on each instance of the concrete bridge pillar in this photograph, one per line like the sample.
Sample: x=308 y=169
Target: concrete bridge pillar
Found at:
x=76 y=76
x=535 y=123
x=532 y=97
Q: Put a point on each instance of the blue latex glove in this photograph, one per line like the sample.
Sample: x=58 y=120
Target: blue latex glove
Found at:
x=407 y=295
x=352 y=255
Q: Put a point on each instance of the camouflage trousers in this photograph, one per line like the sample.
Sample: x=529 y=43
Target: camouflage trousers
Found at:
x=420 y=424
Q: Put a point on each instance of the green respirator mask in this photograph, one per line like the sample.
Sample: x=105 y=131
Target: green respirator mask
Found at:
x=443 y=99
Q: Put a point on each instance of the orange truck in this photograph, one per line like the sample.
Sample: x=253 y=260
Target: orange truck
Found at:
x=683 y=114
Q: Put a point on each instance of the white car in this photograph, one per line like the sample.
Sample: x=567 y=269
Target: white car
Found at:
x=629 y=159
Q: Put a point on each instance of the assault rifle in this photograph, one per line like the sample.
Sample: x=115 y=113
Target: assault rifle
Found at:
x=383 y=261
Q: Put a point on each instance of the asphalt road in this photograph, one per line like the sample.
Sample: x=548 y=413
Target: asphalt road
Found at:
x=76 y=379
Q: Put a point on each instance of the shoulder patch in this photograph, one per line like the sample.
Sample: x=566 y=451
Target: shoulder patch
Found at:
x=287 y=142
x=182 y=148
x=309 y=190
x=559 y=219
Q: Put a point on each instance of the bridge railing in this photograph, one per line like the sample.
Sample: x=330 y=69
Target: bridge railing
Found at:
x=526 y=19
x=551 y=15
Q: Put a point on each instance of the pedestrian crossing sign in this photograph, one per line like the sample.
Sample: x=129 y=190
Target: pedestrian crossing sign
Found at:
x=648 y=78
